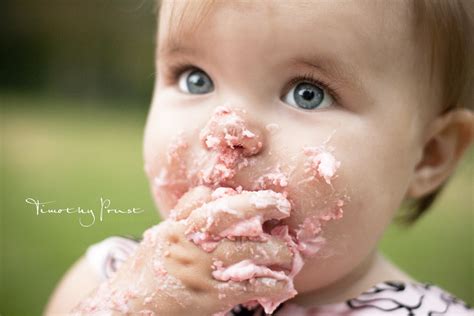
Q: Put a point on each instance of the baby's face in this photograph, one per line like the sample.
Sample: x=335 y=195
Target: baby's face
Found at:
x=316 y=100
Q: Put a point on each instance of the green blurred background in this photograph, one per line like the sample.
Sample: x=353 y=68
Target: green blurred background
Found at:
x=75 y=83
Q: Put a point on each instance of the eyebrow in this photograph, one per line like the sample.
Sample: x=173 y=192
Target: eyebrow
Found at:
x=342 y=73
x=173 y=46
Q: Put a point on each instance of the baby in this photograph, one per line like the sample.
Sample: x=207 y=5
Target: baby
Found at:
x=283 y=137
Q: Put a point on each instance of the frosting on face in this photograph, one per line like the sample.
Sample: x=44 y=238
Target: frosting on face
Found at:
x=320 y=163
x=231 y=144
x=171 y=182
x=275 y=179
x=231 y=141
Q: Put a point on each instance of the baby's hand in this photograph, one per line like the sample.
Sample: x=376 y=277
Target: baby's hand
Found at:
x=240 y=267
x=170 y=275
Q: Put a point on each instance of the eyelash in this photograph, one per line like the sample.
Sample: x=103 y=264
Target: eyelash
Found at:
x=311 y=78
x=175 y=70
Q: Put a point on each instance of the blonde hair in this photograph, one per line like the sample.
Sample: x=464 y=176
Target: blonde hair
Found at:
x=445 y=30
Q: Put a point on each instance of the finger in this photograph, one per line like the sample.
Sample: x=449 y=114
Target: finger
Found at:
x=273 y=253
x=268 y=292
x=185 y=261
x=191 y=200
x=238 y=215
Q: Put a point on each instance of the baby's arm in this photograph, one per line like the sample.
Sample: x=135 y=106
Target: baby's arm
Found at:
x=169 y=275
x=78 y=281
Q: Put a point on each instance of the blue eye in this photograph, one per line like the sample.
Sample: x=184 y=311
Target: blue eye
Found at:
x=308 y=96
x=195 y=81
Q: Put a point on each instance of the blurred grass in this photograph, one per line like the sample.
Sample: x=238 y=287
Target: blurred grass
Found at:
x=76 y=152
x=72 y=153
x=439 y=247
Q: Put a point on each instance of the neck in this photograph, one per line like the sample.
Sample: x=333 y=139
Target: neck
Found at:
x=373 y=270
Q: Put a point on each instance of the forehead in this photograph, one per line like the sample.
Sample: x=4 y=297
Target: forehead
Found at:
x=364 y=21
x=359 y=41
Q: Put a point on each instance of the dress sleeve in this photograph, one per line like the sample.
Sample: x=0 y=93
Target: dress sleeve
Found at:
x=107 y=256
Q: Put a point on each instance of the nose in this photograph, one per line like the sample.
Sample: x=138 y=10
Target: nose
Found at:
x=228 y=128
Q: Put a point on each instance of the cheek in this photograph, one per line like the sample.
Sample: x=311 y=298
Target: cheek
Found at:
x=376 y=173
x=372 y=181
x=164 y=150
x=317 y=197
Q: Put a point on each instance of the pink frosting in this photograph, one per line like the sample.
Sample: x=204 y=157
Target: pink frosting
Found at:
x=228 y=135
x=224 y=191
x=305 y=241
x=248 y=270
x=250 y=227
x=282 y=232
x=320 y=163
x=275 y=179
x=308 y=235
x=230 y=142
x=172 y=179
x=204 y=240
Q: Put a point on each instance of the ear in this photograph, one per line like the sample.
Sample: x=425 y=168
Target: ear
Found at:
x=447 y=137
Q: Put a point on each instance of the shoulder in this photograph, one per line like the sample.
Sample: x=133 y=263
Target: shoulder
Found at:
x=78 y=281
x=99 y=262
